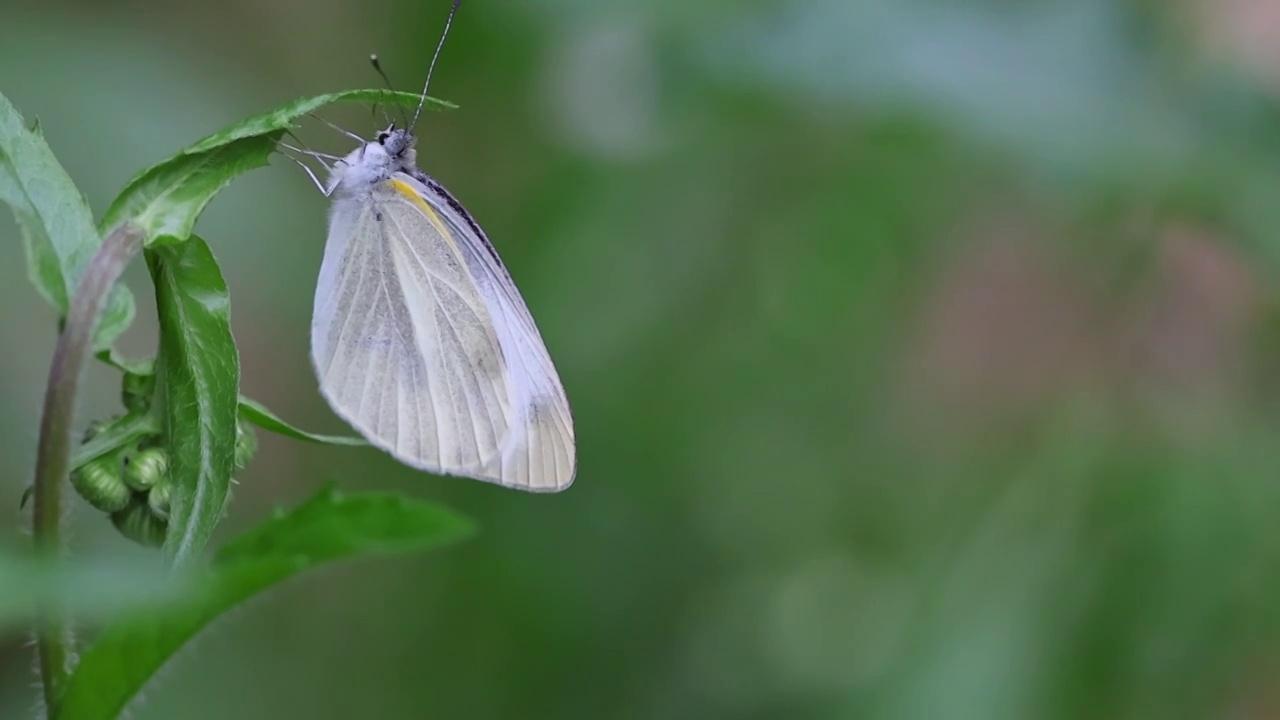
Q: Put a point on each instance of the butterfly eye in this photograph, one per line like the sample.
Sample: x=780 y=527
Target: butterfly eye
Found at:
x=382 y=137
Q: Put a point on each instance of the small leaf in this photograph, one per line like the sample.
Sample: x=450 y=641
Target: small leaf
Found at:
x=258 y=414
x=43 y=267
x=328 y=527
x=138 y=367
x=55 y=222
x=197 y=376
x=166 y=199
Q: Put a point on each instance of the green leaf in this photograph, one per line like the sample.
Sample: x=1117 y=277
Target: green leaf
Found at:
x=328 y=527
x=166 y=199
x=91 y=591
x=197 y=386
x=113 y=358
x=332 y=525
x=282 y=118
x=55 y=222
x=258 y=414
x=43 y=268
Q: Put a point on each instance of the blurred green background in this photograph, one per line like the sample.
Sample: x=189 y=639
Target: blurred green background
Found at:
x=924 y=354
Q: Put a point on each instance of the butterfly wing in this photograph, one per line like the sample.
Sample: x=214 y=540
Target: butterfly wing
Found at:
x=420 y=347
x=543 y=455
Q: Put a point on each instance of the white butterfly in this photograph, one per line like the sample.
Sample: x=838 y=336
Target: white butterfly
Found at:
x=419 y=337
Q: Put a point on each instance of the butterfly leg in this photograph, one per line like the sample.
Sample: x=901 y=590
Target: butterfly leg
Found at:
x=348 y=133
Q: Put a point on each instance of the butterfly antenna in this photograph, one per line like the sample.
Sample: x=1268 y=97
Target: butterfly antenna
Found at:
x=431 y=68
x=377 y=67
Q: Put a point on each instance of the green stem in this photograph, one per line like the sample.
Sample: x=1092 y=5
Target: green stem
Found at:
x=53 y=455
x=129 y=429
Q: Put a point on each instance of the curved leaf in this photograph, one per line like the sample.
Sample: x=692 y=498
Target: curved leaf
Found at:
x=55 y=222
x=282 y=118
x=166 y=199
x=328 y=527
x=197 y=381
x=255 y=412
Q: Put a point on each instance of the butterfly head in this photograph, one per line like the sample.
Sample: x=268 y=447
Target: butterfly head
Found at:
x=398 y=144
x=390 y=151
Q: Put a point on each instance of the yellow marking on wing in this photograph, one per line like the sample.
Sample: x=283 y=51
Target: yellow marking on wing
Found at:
x=408 y=191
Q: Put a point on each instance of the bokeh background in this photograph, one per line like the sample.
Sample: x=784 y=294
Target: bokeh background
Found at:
x=924 y=354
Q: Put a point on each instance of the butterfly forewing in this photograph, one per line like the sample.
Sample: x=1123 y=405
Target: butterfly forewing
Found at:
x=403 y=343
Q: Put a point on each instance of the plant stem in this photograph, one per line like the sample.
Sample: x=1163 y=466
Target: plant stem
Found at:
x=129 y=429
x=53 y=455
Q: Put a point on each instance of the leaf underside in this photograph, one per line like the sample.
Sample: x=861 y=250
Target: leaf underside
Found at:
x=197 y=378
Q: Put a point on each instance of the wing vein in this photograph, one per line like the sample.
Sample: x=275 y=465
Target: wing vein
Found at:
x=459 y=372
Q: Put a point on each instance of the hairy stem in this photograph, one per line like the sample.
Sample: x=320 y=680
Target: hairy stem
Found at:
x=53 y=454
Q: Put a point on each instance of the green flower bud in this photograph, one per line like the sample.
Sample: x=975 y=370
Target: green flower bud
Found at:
x=100 y=483
x=137 y=523
x=136 y=390
x=145 y=469
x=158 y=501
x=246 y=444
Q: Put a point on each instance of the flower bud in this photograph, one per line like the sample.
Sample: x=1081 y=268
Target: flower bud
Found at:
x=158 y=501
x=100 y=484
x=145 y=469
x=137 y=523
